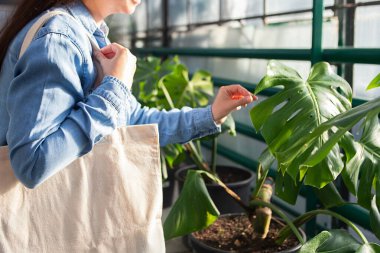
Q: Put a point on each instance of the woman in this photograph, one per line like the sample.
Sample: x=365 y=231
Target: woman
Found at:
x=52 y=109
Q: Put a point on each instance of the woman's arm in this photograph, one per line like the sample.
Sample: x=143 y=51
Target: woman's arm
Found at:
x=179 y=126
x=51 y=121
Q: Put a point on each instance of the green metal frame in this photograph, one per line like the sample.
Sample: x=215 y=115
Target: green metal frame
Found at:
x=316 y=53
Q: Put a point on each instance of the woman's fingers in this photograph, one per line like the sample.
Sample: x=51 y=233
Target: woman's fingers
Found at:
x=230 y=98
x=117 y=61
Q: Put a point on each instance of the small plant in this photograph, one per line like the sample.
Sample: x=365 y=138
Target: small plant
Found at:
x=305 y=125
x=168 y=85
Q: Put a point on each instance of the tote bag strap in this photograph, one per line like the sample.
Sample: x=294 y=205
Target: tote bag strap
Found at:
x=41 y=21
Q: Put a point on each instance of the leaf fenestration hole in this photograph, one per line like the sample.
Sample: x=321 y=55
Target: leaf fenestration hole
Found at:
x=279 y=106
x=293 y=115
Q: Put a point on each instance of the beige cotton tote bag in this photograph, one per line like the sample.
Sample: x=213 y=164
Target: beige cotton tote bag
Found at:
x=109 y=200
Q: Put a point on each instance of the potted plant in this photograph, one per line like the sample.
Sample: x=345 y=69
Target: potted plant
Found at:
x=167 y=85
x=178 y=91
x=304 y=125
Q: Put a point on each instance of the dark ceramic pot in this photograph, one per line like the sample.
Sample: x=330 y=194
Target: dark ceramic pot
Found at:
x=223 y=201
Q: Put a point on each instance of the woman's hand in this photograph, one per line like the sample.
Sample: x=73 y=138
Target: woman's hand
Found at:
x=117 y=61
x=228 y=99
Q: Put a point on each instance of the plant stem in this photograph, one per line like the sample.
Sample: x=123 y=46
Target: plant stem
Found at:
x=260 y=181
x=164 y=168
x=230 y=192
x=199 y=149
x=282 y=215
x=263 y=214
x=194 y=155
x=309 y=215
x=345 y=220
x=213 y=155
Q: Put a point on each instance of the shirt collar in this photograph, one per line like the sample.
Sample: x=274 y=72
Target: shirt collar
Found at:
x=81 y=13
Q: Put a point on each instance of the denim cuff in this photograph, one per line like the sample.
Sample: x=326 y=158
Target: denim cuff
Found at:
x=204 y=122
x=115 y=92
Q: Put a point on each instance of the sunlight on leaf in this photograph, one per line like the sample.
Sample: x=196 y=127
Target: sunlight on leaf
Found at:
x=334 y=241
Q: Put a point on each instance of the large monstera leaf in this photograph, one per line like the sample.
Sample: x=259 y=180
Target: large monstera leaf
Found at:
x=294 y=112
x=361 y=174
x=362 y=170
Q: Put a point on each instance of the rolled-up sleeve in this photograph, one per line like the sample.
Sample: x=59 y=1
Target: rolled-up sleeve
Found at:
x=176 y=125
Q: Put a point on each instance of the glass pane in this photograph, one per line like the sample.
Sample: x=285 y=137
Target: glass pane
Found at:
x=139 y=17
x=276 y=6
x=363 y=75
x=284 y=35
x=155 y=13
x=256 y=35
x=120 y=26
x=330 y=37
x=367 y=26
x=243 y=8
x=204 y=11
x=177 y=12
x=365 y=1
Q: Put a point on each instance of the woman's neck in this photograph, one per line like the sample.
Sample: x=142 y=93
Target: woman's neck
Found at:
x=97 y=9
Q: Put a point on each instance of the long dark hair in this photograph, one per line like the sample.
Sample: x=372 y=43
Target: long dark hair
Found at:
x=25 y=12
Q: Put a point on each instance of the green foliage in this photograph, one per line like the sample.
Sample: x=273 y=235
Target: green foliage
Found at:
x=179 y=91
x=337 y=241
x=375 y=218
x=308 y=150
x=167 y=85
x=296 y=110
x=331 y=241
x=149 y=71
x=307 y=128
x=194 y=209
x=363 y=160
x=374 y=83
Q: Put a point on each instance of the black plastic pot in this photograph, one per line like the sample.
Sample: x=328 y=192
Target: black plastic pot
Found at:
x=168 y=189
x=200 y=247
x=222 y=200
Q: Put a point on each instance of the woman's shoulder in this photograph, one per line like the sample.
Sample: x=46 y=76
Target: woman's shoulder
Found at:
x=67 y=26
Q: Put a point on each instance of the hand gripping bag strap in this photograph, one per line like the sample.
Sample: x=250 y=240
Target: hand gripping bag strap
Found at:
x=109 y=200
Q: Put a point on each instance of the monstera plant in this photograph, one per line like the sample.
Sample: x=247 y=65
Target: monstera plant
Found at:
x=306 y=126
x=292 y=114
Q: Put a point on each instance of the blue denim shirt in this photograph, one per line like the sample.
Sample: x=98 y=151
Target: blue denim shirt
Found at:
x=49 y=114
